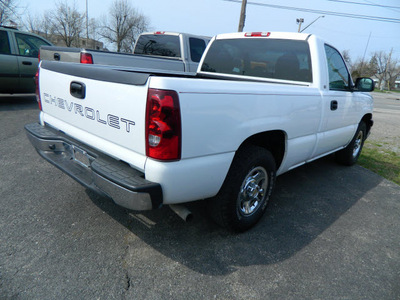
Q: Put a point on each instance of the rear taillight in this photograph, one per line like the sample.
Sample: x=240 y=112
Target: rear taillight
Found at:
x=37 y=89
x=163 y=125
x=86 y=58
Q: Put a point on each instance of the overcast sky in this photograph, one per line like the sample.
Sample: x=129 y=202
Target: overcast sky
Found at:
x=210 y=17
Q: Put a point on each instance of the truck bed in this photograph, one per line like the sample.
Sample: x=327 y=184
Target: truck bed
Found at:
x=65 y=54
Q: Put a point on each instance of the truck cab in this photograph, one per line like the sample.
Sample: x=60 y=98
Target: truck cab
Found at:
x=187 y=47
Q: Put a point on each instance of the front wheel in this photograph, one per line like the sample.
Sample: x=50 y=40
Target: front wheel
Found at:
x=244 y=195
x=349 y=155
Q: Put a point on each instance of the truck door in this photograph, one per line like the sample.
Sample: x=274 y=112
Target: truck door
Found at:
x=339 y=105
x=9 y=73
x=28 y=51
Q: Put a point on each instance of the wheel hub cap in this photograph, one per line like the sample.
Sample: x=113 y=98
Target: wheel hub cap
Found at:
x=252 y=191
x=357 y=144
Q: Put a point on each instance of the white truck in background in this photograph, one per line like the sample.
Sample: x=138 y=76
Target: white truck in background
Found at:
x=153 y=50
x=260 y=104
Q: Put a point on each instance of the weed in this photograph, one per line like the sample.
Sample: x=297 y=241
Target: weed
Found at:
x=380 y=160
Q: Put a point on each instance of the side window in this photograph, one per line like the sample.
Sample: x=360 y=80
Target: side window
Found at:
x=339 y=77
x=4 y=43
x=29 y=45
x=197 y=47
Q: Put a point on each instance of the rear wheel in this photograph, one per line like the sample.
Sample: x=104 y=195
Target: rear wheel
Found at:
x=349 y=155
x=244 y=195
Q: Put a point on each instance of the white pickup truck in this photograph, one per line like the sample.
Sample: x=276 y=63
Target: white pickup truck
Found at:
x=159 y=50
x=261 y=104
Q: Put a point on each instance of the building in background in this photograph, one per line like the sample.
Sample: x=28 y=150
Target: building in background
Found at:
x=57 y=40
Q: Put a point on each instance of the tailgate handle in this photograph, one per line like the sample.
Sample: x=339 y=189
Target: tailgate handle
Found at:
x=78 y=89
x=57 y=56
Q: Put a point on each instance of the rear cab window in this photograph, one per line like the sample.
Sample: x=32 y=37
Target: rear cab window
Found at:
x=197 y=47
x=258 y=57
x=159 y=45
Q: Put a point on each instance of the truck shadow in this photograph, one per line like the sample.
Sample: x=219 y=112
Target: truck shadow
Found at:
x=306 y=202
x=10 y=103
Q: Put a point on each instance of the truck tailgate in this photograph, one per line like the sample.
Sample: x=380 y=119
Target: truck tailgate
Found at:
x=105 y=108
x=64 y=54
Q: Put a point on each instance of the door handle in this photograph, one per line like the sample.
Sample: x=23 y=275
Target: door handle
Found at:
x=27 y=63
x=334 y=105
x=78 y=89
x=57 y=56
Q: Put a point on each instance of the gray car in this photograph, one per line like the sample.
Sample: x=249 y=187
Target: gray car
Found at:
x=18 y=60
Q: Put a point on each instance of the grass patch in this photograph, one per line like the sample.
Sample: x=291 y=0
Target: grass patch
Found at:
x=380 y=160
x=386 y=91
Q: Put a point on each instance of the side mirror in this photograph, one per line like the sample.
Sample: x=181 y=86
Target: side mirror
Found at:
x=365 y=84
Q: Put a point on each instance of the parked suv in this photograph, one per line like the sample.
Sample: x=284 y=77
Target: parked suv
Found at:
x=18 y=60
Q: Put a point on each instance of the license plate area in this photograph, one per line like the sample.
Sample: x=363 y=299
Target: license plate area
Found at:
x=80 y=156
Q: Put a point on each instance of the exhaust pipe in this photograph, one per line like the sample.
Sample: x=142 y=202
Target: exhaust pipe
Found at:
x=185 y=214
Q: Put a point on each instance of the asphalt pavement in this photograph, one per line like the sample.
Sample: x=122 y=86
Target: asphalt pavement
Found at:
x=330 y=232
x=386 y=130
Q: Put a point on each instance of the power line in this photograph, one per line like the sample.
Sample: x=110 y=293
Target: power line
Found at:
x=392 y=9
x=367 y=4
x=332 y=13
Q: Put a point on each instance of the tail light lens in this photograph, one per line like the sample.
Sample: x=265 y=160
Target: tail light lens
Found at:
x=37 y=91
x=86 y=58
x=257 y=34
x=163 y=125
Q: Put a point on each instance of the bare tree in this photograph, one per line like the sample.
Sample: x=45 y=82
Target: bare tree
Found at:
x=8 y=10
x=142 y=24
x=387 y=69
x=362 y=68
x=41 y=25
x=123 y=26
x=67 y=22
x=346 y=57
x=392 y=71
x=93 y=29
x=379 y=63
x=32 y=24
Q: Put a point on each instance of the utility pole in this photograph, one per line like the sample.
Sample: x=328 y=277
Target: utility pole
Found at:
x=300 y=21
x=387 y=77
x=242 y=16
x=365 y=51
x=87 y=25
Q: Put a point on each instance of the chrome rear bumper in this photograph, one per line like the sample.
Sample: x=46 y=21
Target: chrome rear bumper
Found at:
x=94 y=170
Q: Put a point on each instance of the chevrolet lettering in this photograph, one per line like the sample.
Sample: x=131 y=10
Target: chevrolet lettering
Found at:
x=88 y=112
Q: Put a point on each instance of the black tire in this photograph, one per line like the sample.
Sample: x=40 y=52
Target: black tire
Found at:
x=349 y=155
x=243 y=198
